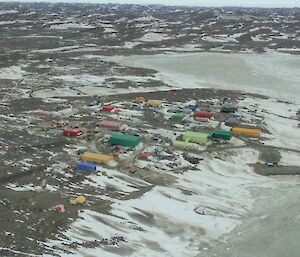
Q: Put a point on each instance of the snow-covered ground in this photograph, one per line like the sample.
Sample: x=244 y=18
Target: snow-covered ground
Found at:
x=166 y=221
x=12 y=72
x=267 y=74
x=279 y=119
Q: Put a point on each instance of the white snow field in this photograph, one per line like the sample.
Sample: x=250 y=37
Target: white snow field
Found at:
x=275 y=75
x=167 y=222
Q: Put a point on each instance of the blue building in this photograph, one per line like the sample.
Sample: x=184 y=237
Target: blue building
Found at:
x=85 y=166
x=231 y=121
x=174 y=109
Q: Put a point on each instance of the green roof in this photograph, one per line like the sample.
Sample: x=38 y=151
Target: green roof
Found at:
x=195 y=137
x=226 y=135
x=177 y=117
x=183 y=144
x=124 y=140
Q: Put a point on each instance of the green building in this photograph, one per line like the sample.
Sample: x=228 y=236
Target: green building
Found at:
x=183 y=144
x=177 y=117
x=195 y=137
x=220 y=134
x=124 y=140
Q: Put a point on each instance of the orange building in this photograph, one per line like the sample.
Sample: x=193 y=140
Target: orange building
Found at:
x=248 y=132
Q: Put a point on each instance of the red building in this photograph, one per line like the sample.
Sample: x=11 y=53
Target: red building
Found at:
x=115 y=125
x=204 y=114
x=72 y=132
x=107 y=108
x=201 y=119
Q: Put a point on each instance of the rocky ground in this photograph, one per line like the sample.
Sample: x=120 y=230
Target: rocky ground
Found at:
x=129 y=28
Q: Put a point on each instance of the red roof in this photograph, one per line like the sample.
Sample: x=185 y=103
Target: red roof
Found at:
x=72 y=132
x=201 y=119
x=144 y=156
x=107 y=108
x=110 y=124
x=204 y=114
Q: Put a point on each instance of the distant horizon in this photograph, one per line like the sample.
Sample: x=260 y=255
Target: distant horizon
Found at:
x=187 y=3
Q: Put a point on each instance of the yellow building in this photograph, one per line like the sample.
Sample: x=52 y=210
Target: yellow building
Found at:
x=94 y=157
x=248 y=132
x=154 y=103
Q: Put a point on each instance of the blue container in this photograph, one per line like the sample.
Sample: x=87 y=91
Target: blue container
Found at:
x=192 y=107
x=86 y=167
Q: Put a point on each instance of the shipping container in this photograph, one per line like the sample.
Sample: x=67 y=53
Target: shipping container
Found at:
x=124 y=140
x=248 y=132
x=195 y=137
x=94 y=157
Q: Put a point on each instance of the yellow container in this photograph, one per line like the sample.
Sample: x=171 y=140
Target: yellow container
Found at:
x=94 y=157
x=140 y=99
x=154 y=103
x=79 y=200
x=55 y=126
x=248 y=132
